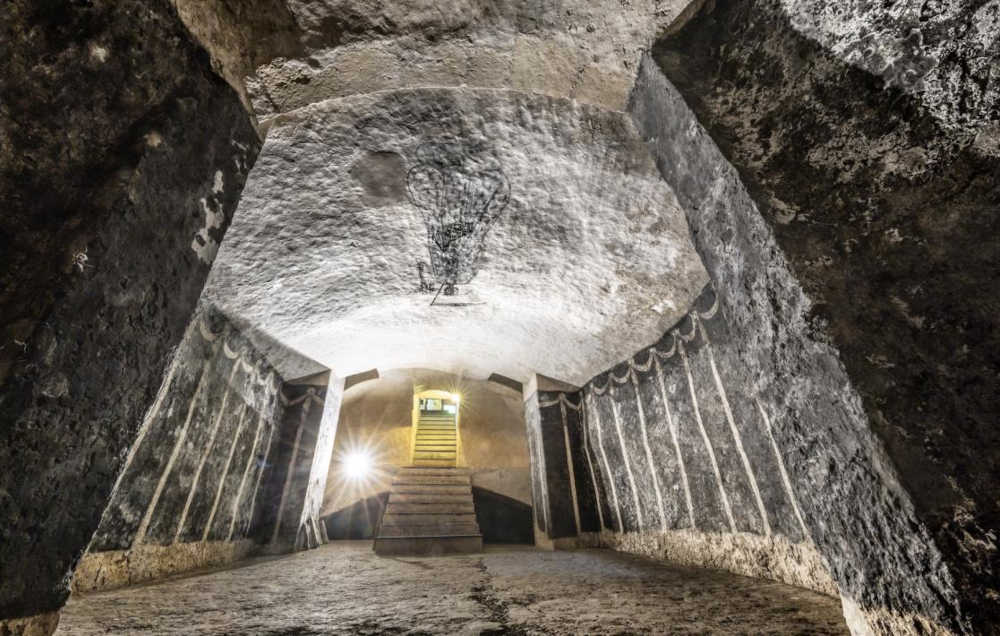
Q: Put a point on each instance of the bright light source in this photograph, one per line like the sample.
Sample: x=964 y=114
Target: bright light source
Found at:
x=357 y=464
x=455 y=397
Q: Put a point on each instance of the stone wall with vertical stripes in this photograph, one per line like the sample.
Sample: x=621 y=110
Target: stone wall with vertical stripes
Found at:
x=284 y=518
x=672 y=457
x=186 y=495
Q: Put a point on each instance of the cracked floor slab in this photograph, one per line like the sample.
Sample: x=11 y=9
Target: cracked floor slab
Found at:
x=344 y=588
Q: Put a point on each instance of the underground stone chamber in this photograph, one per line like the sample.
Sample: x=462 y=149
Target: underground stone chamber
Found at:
x=522 y=306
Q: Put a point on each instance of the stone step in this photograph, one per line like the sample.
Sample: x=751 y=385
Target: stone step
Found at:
x=430 y=508
x=414 y=489
x=433 y=472
x=436 y=428
x=430 y=530
x=434 y=447
x=431 y=480
x=428 y=546
x=430 y=453
x=427 y=498
x=437 y=434
x=392 y=520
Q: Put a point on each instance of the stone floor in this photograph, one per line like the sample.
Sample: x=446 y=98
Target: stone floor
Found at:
x=343 y=588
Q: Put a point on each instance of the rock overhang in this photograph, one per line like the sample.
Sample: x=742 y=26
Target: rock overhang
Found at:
x=589 y=260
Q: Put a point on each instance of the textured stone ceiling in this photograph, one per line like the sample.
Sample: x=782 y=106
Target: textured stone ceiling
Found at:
x=584 y=49
x=589 y=261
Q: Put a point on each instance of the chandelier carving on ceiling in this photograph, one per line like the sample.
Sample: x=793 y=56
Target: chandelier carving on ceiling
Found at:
x=460 y=194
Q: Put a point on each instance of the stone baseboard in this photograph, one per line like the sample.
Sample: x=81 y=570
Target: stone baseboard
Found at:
x=773 y=557
x=39 y=625
x=107 y=570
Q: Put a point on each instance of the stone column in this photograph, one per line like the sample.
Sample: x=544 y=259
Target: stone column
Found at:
x=562 y=488
x=288 y=511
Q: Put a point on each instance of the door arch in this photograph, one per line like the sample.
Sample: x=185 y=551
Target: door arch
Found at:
x=430 y=446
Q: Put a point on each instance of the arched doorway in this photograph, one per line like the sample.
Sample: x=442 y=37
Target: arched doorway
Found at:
x=436 y=437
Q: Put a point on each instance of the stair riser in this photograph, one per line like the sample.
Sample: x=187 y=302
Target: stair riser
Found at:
x=434 y=530
x=429 y=546
x=434 y=508
x=421 y=492
x=396 y=498
x=435 y=521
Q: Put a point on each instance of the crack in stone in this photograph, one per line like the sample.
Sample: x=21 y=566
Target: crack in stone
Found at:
x=485 y=595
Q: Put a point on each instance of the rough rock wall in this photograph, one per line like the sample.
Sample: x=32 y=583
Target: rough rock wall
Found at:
x=282 y=518
x=192 y=476
x=942 y=53
x=241 y=35
x=122 y=156
x=683 y=457
x=587 y=50
x=880 y=194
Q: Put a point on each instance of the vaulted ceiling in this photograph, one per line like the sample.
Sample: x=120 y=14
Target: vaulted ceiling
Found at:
x=386 y=122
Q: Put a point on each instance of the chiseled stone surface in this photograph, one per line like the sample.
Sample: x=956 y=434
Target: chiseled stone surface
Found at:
x=122 y=156
x=39 y=625
x=192 y=472
x=856 y=513
x=773 y=557
x=590 y=260
x=343 y=588
x=117 y=568
x=686 y=464
x=942 y=53
x=583 y=49
x=863 y=278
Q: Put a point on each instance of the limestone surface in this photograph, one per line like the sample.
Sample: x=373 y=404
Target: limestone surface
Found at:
x=584 y=49
x=589 y=260
x=343 y=588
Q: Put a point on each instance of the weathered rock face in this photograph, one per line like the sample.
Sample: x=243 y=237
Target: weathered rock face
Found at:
x=944 y=54
x=861 y=520
x=670 y=455
x=241 y=35
x=881 y=194
x=193 y=474
x=121 y=159
x=583 y=49
x=588 y=261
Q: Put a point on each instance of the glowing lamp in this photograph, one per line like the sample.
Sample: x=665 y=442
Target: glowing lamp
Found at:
x=357 y=465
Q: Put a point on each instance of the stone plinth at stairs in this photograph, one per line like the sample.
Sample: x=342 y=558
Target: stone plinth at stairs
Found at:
x=430 y=511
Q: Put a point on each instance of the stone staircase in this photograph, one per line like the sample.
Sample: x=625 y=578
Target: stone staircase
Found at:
x=430 y=511
x=436 y=440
